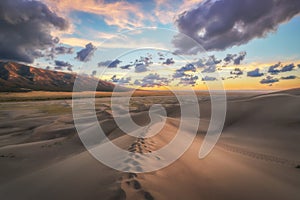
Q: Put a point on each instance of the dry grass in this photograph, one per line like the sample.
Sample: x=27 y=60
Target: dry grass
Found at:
x=42 y=95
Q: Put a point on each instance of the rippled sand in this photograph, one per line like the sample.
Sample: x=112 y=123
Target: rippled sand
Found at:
x=42 y=157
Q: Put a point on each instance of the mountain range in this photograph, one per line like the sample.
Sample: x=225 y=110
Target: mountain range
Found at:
x=15 y=77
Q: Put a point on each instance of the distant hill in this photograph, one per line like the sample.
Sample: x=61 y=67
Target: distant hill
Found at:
x=16 y=77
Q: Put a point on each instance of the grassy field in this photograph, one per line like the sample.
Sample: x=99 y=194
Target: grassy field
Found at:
x=42 y=95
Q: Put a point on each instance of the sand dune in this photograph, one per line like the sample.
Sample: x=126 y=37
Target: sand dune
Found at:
x=41 y=156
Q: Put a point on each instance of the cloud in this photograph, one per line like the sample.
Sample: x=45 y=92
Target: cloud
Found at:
x=25 y=29
x=147 y=60
x=126 y=67
x=104 y=63
x=120 y=81
x=114 y=63
x=287 y=68
x=188 y=68
x=199 y=63
x=60 y=65
x=288 y=77
x=166 y=10
x=63 y=50
x=121 y=14
x=182 y=71
x=236 y=59
x=109 y=63
x=229 y=58
x=189 y=80
x=152 y=80
x=85 y=54
x=218 y=25
x=161 y=56
x=209 y=78
x=94 y=73
x=255 y=73
x=274 y=68
x=239 y=58
x=269 y=80
x=237 y=71
x=212 y=60
x=209 y=69
x=59 y=50
x=140 y=67
x=169 y=61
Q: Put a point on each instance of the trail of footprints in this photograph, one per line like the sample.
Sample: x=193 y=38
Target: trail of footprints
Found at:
x=138 y=153
x=260 y=156
x=130 y=181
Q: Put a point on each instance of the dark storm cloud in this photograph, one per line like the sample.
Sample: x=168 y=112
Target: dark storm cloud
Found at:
x=25 y=29
x=269 y=80
x=217 y=25
x=85 y=54
x=255 y=73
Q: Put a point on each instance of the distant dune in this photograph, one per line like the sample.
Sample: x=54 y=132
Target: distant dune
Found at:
x=16 y=77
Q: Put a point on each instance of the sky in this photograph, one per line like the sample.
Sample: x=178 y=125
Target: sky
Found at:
x=155 y=44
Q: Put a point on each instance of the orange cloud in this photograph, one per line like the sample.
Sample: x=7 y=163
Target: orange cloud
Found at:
x=166 y=10
x=121 y=14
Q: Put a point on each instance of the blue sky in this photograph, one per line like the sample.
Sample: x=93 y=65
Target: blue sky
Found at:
x=120 y=26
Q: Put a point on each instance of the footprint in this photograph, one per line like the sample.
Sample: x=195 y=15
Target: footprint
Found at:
x=136 y=185
x=7 y=156
x=148 y=196
x=120 y=195
x=132 y=175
